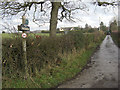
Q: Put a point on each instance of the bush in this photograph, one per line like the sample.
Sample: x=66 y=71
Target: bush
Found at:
x=11 y=56
x=78 y=38
x=3 y=31
x=43 y=31
x=116 y=38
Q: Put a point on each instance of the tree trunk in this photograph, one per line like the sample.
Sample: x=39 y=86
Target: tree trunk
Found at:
x=54 y=17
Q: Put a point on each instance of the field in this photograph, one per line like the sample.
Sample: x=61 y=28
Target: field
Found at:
x=9 y=35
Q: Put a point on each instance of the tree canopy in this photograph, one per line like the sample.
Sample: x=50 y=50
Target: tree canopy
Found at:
x=113 y=26
x=65 y=8
x=103 y=27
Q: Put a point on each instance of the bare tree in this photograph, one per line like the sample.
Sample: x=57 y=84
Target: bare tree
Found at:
x=13 y=8
x=9 y=28
x=66 y=9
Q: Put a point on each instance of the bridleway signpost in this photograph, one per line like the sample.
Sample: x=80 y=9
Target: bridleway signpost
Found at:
x=24 y=27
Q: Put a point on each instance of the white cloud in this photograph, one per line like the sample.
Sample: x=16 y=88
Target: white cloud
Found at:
x=93 y=17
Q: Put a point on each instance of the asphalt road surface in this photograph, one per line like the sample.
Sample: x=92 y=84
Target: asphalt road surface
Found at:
x=103 y=70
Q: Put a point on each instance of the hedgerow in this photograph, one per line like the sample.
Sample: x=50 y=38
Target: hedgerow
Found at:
x=116 y=38
x=42 y=51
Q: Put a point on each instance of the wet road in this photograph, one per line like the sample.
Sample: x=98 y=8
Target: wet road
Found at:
x=103 y=71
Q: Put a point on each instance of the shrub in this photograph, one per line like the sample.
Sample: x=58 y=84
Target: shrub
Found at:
x=3 y=31
x=43 y=31
x=11 y=56
x=116 y=38
x=78 y=38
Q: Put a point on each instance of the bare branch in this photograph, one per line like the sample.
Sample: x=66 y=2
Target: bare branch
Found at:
x=67 y=11
x=100 y=3
x=13 y=8
x=9 y=28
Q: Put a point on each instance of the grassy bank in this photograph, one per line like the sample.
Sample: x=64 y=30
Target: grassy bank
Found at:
x=56 y=60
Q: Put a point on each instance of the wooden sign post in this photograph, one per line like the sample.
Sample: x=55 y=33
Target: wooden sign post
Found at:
x=23 y=27
x=24 y=49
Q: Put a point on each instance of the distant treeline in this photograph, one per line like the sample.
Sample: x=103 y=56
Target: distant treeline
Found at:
x=43 y=31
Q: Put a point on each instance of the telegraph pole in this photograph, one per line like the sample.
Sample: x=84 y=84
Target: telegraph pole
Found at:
x=99 y=23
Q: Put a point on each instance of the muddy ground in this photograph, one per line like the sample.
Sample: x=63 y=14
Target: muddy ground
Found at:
x=102 y=71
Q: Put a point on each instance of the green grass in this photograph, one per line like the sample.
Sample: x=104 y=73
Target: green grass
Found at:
x=12 y=35
x=7 y=35
x=41 y=34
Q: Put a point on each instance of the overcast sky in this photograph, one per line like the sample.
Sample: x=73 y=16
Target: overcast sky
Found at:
x=93 y=15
